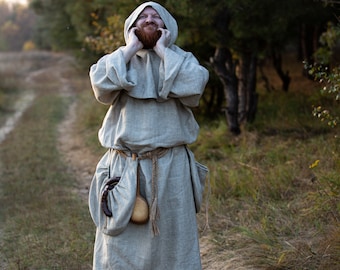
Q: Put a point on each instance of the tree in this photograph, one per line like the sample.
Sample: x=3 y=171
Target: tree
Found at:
x=65 y=25
x=54 y=26
x=242 y=32
x=107 y=37
x=16 y=26
x=230 y=37
x=326 y=68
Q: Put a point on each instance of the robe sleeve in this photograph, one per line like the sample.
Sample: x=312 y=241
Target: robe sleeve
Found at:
x=184 y=77
x=108 y=76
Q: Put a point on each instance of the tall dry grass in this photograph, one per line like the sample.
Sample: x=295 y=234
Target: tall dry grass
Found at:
x=275 y=190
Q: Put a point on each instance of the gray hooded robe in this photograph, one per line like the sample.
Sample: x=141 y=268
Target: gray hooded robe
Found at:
x=150 y=103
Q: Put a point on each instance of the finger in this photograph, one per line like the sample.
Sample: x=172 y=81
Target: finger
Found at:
x=166 y=33
x=162 y=30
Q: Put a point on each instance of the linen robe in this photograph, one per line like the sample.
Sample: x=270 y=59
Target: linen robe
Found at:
x=150 y=101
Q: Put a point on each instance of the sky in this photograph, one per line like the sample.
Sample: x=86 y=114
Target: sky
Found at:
x=16 y=1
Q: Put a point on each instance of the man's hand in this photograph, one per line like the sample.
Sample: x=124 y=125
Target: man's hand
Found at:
x=133 y=45
x=163 y=42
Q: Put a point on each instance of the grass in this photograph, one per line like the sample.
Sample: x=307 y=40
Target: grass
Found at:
x=275 y=189
x=44 y=225
x=283 y=213
x=8 y=94
x=266 y=203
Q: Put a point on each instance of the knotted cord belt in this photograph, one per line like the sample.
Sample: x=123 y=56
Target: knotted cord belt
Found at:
x=154 y=156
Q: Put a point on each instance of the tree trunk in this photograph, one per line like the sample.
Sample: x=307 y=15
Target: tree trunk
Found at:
x=243 y=87
x=247 y=88
x=251 y=90
x=284 y=76
x=225 y=69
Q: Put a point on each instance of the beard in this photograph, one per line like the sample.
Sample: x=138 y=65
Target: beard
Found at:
x=149 y=40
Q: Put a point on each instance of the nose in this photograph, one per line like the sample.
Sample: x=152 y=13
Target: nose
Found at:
x=149 y=19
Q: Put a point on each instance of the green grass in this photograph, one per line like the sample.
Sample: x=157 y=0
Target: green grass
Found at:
x=8 y=94
x=45 y=224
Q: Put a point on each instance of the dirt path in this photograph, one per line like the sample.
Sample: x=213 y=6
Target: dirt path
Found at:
x=81 y=161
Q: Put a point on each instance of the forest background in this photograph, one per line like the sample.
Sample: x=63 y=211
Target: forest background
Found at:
x=274 y=73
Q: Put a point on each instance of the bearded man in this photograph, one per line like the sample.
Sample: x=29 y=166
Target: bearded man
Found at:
x=151 y=85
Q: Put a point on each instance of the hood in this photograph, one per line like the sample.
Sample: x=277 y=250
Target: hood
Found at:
x=169 y=21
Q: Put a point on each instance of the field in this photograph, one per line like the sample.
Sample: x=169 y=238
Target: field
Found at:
x=273 y=200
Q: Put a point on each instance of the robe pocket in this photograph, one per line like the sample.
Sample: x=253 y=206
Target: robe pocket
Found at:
x=199 y=174
x=119 y=201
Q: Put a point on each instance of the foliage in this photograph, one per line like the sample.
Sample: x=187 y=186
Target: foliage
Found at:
x=266 y=22
x=328 y=40
x=55 y=30
x=29 y=46
x=330 y=79
x=106 y=38
x=332 y=88
x=16 y=26
x=65 y=25
x=253 y=30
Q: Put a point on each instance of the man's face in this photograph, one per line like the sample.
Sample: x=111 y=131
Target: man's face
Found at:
x=147 y=23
